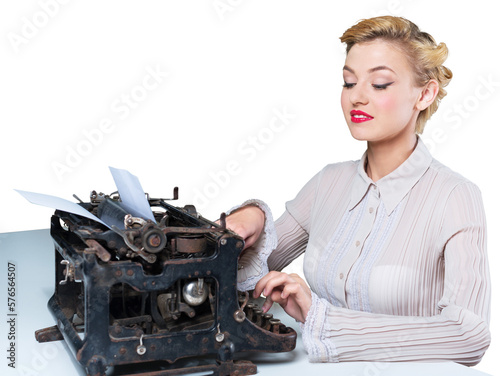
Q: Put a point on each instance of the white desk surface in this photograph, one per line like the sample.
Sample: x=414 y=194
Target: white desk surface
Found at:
x=33 y=254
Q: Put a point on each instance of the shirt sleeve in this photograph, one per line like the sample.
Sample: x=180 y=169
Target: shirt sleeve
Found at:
x=293 y=227
x=252 y=264
x=281 y=242
x=459 y=332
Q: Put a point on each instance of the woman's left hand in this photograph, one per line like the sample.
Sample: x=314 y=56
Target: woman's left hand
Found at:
x=288 y=290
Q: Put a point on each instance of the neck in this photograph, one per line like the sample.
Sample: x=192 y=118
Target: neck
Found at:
x=383 y=157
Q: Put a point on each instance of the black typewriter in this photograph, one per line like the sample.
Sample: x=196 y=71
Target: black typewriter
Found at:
x=143 y=296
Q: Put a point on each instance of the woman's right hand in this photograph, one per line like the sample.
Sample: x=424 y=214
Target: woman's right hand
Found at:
x=247 y=222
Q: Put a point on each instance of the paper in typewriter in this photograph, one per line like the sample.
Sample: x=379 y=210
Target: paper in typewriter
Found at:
x=59 y=204
x=131 y=194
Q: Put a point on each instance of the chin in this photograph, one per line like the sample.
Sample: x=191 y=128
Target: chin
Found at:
x=361 y=134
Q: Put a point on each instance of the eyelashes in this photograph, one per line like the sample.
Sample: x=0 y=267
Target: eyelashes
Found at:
x=383 y=86
x=348 y=85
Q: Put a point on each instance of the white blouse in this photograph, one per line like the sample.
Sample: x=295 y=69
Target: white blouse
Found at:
x=398 y=268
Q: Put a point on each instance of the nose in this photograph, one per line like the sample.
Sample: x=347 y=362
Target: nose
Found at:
x=357 y=95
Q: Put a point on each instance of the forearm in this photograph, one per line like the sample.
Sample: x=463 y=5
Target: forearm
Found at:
x=333 y=334
x=253 y=260
x=279 y=244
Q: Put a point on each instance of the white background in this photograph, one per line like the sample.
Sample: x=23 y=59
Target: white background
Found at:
x=203 y=121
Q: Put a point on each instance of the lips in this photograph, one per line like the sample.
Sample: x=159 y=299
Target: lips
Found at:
x=360 y=116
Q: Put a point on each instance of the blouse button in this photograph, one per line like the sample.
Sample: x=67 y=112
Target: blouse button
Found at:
x=370 y=210
x=341 y=275
x=357 y=243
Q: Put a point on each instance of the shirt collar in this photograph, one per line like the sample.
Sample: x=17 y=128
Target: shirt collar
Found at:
x=396 y=185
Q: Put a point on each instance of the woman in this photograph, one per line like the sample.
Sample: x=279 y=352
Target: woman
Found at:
x=395 y=256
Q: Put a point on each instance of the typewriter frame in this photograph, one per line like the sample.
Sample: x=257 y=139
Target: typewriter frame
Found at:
x=84 y=279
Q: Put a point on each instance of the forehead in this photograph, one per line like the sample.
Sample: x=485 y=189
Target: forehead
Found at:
x=365 y=56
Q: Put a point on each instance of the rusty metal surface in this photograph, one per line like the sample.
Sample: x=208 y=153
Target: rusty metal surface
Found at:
x=99 y=250
x=155 y=291
x=49 y=334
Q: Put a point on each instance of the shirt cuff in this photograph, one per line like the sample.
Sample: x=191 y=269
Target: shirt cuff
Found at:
x=318 y=347
x=252 y=265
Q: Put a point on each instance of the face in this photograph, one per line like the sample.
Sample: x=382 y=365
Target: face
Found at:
x=379 y=98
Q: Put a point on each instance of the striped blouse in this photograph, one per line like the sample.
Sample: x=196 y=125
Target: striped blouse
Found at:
x=397 y=268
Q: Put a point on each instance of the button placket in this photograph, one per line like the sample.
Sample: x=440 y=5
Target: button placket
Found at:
x=363 y=231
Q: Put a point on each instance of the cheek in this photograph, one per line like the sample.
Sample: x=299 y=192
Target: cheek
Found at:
x=393 y=105
x=344 y=101
x=346 y=106
x=388 y=103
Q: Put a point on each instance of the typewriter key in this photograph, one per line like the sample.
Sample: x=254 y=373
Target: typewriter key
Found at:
x=258 y=316
x=275 y=325
x=249 y=311
x=266 y=318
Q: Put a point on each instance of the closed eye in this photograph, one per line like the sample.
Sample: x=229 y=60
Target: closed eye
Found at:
x=348 y=85
x=383 y=86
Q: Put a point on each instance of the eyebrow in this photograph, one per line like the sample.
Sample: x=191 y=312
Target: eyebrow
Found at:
x=375 y=69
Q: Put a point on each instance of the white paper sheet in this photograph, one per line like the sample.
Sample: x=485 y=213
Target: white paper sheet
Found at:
x=58 y=203
x=131 y=194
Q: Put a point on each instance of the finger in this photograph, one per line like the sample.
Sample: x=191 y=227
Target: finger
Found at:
x=251 y=240
x=267 y=304
x=281 y=279
x=259 y=287
x=273 y=297
x=270 y=282
x=300 y=291
x=239 y=229
x=300 y=296
x=294 y=289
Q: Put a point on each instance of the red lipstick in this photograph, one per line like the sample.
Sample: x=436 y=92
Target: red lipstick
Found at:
x=360 y=116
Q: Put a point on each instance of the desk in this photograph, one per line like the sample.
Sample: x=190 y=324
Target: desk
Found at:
x=32 y=252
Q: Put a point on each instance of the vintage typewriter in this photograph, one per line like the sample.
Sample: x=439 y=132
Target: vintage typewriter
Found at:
x=150 y=296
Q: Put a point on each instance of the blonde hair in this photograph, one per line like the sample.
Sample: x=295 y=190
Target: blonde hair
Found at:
x=424 y=55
